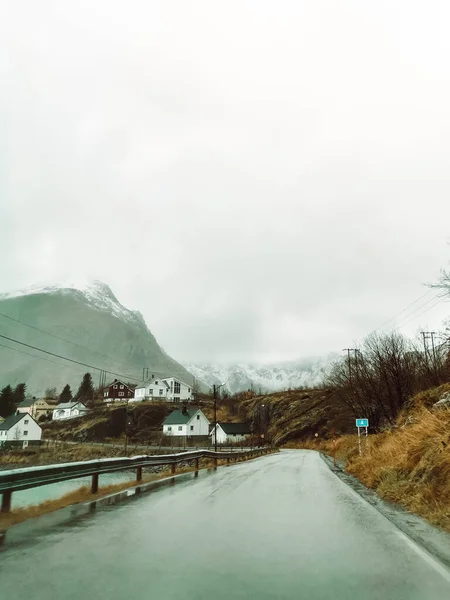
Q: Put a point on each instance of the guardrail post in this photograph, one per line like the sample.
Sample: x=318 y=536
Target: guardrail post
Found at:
x=228 y=460
x=174 y=468
x=6 y=501
x=139 y=474
x=94 y=487
x=197 y=464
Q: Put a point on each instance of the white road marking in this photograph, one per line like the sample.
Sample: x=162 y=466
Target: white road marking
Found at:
x=428 y=558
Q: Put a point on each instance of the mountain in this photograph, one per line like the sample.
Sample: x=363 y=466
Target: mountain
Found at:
x=104 y=334
x=263 y=378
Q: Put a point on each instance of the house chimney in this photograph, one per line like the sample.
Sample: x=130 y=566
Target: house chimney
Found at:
x=184 y=410
x=115 y=380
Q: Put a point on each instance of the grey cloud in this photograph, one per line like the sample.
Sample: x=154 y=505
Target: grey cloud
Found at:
x=257 y=180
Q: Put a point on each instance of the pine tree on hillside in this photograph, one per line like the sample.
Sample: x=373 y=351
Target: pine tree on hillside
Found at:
x=7 y=406
x=19 y=393
x=66 y=394
x=85 y=392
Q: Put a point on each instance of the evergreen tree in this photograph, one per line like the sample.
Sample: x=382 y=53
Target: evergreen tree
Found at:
x=7 y=406
x=19 y=393
x=85 y=392
x=66 y=394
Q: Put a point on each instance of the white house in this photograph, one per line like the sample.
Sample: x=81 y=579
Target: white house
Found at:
x=186 y=422
x=69 y=410
x=169 y=389
x=20 y=428
x=230 y=433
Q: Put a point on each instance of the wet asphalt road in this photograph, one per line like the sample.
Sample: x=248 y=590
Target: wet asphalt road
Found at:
x=279 y=527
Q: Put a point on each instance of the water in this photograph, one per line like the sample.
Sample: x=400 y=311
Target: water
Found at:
x=54 y=491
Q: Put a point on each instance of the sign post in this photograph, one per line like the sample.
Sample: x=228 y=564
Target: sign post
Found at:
x=362 y=424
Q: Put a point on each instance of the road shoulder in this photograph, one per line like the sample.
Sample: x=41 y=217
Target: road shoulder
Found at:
x=433 y=540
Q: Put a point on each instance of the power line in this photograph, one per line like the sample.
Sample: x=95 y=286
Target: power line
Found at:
x=402 y=311
x=420 y=313
x=33 y=355
x=57 y=337
x=68 y=359
x=88 y=349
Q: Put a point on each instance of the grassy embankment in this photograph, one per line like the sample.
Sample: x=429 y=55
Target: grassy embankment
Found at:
x=83 y=494
x=408 y=464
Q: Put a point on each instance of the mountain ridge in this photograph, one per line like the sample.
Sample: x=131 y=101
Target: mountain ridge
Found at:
x=102 y=333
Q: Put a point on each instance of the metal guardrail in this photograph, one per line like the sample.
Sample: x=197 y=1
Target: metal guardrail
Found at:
x=30 y=477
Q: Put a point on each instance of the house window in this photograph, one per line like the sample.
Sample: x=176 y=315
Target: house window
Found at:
x=161 y=392
x=169 y=429
x=121 y=387
x=121 y=393
x=176 y=398
x=150 y=392
x=115 y=387
x=106 y=394
x=177 y=387
x=198 y=417
x=180 y=427
x=156 y=383
x=192 y=428
x=26 y=422
x=25 y=433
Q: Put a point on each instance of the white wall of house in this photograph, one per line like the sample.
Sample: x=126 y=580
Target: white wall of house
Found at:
x=223 y=438
x=155 y=390
x=199 y=425
x=69 y=413
x=178 y=390
x=174 y=429
x=168 y=389
x=26 y=430
x=25 y=409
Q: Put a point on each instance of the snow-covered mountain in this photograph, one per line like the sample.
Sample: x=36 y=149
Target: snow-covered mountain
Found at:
x=80 y=320
x=263 y=378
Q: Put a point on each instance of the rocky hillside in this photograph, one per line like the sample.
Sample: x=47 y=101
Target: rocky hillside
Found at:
x=103 y=333
x=297 y=415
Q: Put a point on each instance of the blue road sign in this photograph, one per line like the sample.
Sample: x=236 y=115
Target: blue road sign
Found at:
x=362 y=422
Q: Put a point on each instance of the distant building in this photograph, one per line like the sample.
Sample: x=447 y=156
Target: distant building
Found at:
x=230 y=433
x=20 y=428
x=36 y=407
x=69 y=410
x=186 y=422
x=117 y=391
x=169 y=389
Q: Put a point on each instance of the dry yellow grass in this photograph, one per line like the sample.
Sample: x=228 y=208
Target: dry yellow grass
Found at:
x=409 y=464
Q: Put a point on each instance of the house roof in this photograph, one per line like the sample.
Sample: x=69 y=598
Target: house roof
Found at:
x=236 y=428
x=13 y=419
x=65 y=405
x=26 y=403
x=178 y=417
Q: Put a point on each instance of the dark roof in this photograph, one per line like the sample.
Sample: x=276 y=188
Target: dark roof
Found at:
x=12 y=420
x=178 y=417
x=26 y=403
x=236 y=428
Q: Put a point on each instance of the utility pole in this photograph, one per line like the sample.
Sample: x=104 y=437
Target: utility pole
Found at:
x=433 y=333
x=215 y=417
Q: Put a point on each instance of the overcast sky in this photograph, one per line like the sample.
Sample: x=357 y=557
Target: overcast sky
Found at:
x=262 y=180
